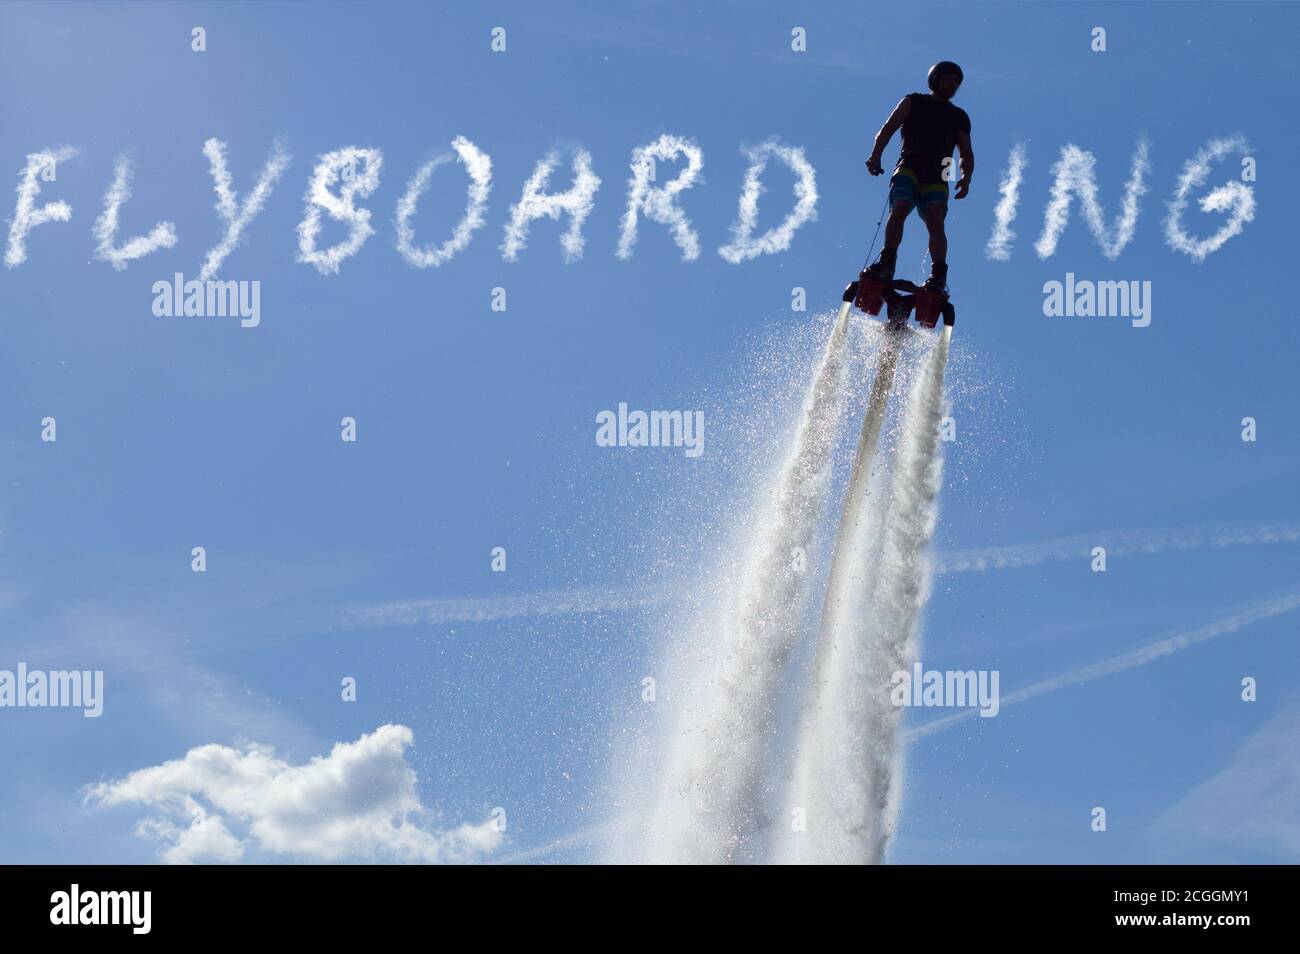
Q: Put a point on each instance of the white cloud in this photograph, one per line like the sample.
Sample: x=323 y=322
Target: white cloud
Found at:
x=356 y=804
x=163 y=235
x=1233 y=196
x=357 y=170
x=777 y=239
x=1074 y=175
x=999 y=245
x=40 y=165
x=578 y=201
x=206 y=839
x=1253 y=802
x=660 y=203
x=237 y=217
x=479 y=166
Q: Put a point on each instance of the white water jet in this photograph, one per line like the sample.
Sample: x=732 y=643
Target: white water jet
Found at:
x=705 y=794
x=842 y=803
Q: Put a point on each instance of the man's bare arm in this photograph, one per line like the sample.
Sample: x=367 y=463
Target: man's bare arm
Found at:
x=967 y=164
x=895 y=120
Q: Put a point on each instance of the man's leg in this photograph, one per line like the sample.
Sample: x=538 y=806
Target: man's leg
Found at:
x=885 y=265
x=902 y=199
x=898 y=213
x=934 y=216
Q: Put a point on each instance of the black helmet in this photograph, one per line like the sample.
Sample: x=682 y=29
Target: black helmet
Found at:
x=943 y=68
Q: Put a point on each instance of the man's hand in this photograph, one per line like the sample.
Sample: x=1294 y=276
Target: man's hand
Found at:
x=967 y=154
x=874 y=166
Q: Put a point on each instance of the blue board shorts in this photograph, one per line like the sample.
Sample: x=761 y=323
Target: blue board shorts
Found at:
x=904 y=187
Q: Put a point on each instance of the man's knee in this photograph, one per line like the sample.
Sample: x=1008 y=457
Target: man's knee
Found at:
x=900 y=210
x=934 y=217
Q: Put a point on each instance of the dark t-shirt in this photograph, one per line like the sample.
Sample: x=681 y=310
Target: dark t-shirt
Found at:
x=930 y=135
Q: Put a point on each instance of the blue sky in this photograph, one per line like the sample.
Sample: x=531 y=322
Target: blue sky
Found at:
x=476 y=427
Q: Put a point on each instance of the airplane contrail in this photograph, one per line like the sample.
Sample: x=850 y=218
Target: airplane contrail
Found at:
x=575 y=839
x=1117 y=543
x=1132 y=659
x=487 y=609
